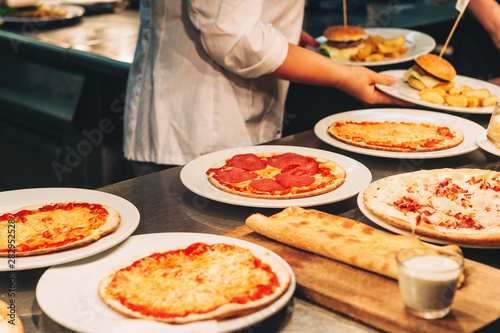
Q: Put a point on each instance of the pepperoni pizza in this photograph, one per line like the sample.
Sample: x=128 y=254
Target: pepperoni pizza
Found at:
x=396 y=136
x=53 y=227
x=197 y=282
x=276 y=175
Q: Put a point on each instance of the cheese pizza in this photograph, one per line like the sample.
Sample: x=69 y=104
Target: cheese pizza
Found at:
x=454 y=205
x=196 y=282
x=276 y=175
x=396 y=136
x=40 y=229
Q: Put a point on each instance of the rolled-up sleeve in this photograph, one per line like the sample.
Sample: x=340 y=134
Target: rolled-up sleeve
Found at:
x=233 y=35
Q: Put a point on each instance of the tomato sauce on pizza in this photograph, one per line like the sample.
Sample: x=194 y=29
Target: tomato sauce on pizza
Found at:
x=53 y=227
x=276 y=175
x=396 y=136
x=200 y=281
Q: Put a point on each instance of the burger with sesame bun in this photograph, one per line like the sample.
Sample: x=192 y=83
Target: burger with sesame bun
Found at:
x=429 y=71
x=343 y=42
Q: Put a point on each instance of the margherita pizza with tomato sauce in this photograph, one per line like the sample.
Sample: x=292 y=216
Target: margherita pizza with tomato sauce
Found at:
x=455 y=205
x=197 y=282
x=54 y=227
x=396 y=136
x=276 y=175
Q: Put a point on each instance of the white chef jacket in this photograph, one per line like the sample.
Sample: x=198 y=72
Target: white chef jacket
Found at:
x=195 y=84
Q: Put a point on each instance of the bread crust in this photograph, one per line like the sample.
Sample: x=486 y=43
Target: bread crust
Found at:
x=336 y=237
x=112 y=222
x=327 y=184
x=396 y=135
x=228 y=310
x=379 y=201
x=341 y=33
x=436 y=66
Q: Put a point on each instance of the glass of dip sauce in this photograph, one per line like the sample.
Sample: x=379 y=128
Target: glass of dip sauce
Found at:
x=428 y=280
x=493 y=130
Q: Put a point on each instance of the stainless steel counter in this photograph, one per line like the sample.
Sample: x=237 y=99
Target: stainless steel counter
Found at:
x=105 y=43
x=166 y=205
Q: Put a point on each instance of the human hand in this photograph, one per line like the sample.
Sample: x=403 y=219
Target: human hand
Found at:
x=307 y=40
x=359 y=82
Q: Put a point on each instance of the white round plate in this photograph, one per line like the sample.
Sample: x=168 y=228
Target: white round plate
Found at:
x=386 y=225
x=484 y=143
x=11 y=200
x=469 y=128
x=418 y=42
x=403 y=91
x=68 y=293
x=193 y=176
x=73 y=12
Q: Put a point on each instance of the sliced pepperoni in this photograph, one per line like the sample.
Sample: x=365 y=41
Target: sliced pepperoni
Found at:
x=235 y=175
x=266 y=185
x=288 y=181
x=311 y=168
x=247 y=162
x=287 y=159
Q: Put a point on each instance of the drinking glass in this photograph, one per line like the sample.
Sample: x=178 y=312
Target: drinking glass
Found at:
x=428 y=279
x=493 y=130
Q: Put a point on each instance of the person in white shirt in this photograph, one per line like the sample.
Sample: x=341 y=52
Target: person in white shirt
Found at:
x=213 y=74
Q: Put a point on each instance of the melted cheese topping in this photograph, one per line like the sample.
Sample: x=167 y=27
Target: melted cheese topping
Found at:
x=407 y=136
x=341 y=54
x=50 y=226
x=428 y=81
x=327 y=175
x=198 y=279
x=449 y=200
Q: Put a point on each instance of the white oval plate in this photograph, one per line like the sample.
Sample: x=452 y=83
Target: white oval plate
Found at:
x=418 y=42
x=193 y=176
x=129 y=214
x=403 y=91
x=68 y=293
x=469 y=128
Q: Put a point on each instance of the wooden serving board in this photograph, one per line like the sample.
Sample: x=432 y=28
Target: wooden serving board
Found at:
x=375 y=299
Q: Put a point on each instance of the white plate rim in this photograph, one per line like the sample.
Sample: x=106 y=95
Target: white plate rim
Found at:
x=468 y=127
x=487 y=145
x=419 y=42
x=382 y=223
x=130 y=218
x=403 y=91
x=74 y=11
x=194 y=178
x=58 y=276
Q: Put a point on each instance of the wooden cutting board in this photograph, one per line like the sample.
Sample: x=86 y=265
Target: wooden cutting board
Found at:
x=375 y=299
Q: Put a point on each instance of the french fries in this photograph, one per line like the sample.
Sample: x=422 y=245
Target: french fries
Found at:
x=378 y=48
x=462 y=97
